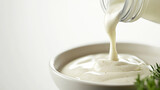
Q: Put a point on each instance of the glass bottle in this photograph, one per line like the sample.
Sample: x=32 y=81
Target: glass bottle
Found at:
x=135 y=9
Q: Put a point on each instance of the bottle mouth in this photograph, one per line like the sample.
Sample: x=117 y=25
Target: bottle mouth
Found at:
x=132 y=9
x=104 y=5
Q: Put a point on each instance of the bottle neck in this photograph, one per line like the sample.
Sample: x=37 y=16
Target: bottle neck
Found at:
x=132 y=10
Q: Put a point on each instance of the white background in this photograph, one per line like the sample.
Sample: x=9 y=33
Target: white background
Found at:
x=33 y=31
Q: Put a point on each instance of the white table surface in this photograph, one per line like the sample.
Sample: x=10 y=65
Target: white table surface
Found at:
x=32 y=31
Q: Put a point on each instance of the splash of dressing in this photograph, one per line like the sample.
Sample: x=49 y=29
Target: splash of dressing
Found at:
x=112 y=18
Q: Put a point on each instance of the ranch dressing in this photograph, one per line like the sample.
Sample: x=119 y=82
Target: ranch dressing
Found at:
x=109 y=68
x=112 y=18
x=98 y=68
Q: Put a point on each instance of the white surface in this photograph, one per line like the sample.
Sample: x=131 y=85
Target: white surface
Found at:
x=32 y=31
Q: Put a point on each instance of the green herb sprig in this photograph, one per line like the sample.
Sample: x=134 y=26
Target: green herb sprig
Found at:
x=151 y=82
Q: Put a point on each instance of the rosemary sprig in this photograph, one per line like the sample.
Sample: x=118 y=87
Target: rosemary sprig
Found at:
x=151 y=82
x=155 y=71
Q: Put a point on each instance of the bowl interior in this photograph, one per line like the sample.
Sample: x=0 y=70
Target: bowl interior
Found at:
x=66 y=57
x=149 y=54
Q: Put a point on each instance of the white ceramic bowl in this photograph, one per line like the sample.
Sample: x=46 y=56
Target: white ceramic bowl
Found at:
x=149 y=54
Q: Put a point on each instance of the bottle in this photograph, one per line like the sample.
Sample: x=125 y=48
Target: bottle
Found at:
x=135 y=9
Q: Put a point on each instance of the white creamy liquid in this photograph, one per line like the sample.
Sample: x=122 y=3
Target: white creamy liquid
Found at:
x=112 y=18
x=108 y=68
x=98 y=68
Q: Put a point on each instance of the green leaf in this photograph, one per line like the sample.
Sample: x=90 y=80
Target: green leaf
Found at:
x=151 y=82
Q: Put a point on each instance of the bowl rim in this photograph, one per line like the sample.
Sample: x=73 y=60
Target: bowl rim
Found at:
x=52 y=61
